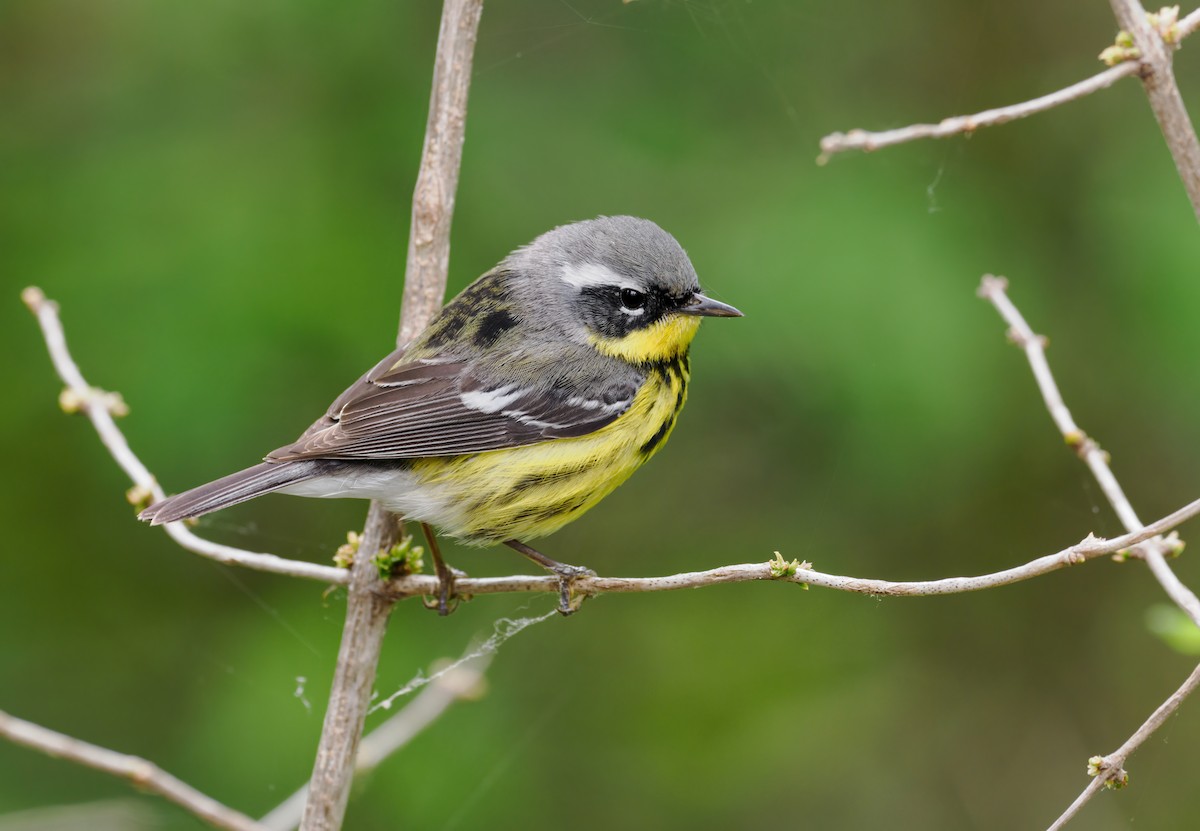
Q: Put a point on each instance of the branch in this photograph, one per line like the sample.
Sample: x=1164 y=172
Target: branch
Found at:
x=1154 y=551
x=1090 y=548
x=143 y=774
x=460 y=683
x=994 y=289
x=867 y=141
x=101 y=407
x=1109 y=771
x=428 y=261
x=367 y=614
x=1158 y=78
x=426 y=269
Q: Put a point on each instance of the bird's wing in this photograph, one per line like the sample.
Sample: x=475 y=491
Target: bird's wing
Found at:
x=438 y=407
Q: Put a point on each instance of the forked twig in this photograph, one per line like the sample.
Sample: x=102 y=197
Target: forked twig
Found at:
x=142 y=774
x=1154 y=551
x=1107 y=771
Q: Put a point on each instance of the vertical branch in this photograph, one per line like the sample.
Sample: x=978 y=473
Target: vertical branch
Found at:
x=367 y=613
x=1159 y=80
x=367 y=608
x=437 y=181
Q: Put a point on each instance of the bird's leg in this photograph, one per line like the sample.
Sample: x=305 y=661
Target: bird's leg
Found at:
x=567 y=574
x=446 y=575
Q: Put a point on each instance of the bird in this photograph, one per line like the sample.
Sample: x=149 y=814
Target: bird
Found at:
x=528 y=398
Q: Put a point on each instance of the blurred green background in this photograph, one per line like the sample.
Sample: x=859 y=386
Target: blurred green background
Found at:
x=217 y=194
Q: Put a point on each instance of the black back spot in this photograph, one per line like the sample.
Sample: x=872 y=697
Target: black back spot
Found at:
x=492 y=327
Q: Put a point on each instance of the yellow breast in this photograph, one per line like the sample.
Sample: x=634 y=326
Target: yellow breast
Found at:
x=528 y=492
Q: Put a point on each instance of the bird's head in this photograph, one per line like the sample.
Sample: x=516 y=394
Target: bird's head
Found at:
x=619 y=283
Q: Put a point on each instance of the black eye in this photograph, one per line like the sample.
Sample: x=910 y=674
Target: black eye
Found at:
x=632 y=299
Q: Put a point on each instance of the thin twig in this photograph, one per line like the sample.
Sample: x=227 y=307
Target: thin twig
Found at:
x=143 y=774
x=1158 y=78
x=867 y=141
x=98 y=406
x=1088 y=549
x=1183 y=597
x=1109 y=771
x=463 y=682
x=1154 y=551
x=1189 y=24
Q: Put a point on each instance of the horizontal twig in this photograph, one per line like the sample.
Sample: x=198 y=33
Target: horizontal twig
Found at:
x=867 y=141
x=142 y=774
x=1088 y=549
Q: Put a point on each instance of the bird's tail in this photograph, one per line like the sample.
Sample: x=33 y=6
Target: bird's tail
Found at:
x=230 y=490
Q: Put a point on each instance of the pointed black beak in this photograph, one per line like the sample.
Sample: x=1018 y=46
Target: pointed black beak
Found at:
x=707 y=307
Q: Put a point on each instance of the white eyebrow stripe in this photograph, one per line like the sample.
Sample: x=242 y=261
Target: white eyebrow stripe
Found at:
x=583 y=275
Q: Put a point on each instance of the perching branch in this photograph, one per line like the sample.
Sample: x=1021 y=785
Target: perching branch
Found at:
x=1151 y=61
x=144 y=775
x=1089 y=549
x=426 y=270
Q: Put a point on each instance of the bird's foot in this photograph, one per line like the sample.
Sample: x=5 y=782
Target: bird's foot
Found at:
x=568 y=602
x=447 y=599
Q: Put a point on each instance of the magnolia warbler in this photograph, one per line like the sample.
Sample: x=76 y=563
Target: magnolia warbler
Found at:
x=527 y=400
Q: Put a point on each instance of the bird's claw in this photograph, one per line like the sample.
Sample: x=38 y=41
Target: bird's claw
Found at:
x=447 y=599
x=569 y=603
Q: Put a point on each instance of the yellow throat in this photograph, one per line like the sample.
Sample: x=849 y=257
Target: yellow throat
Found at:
x=661 y=341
